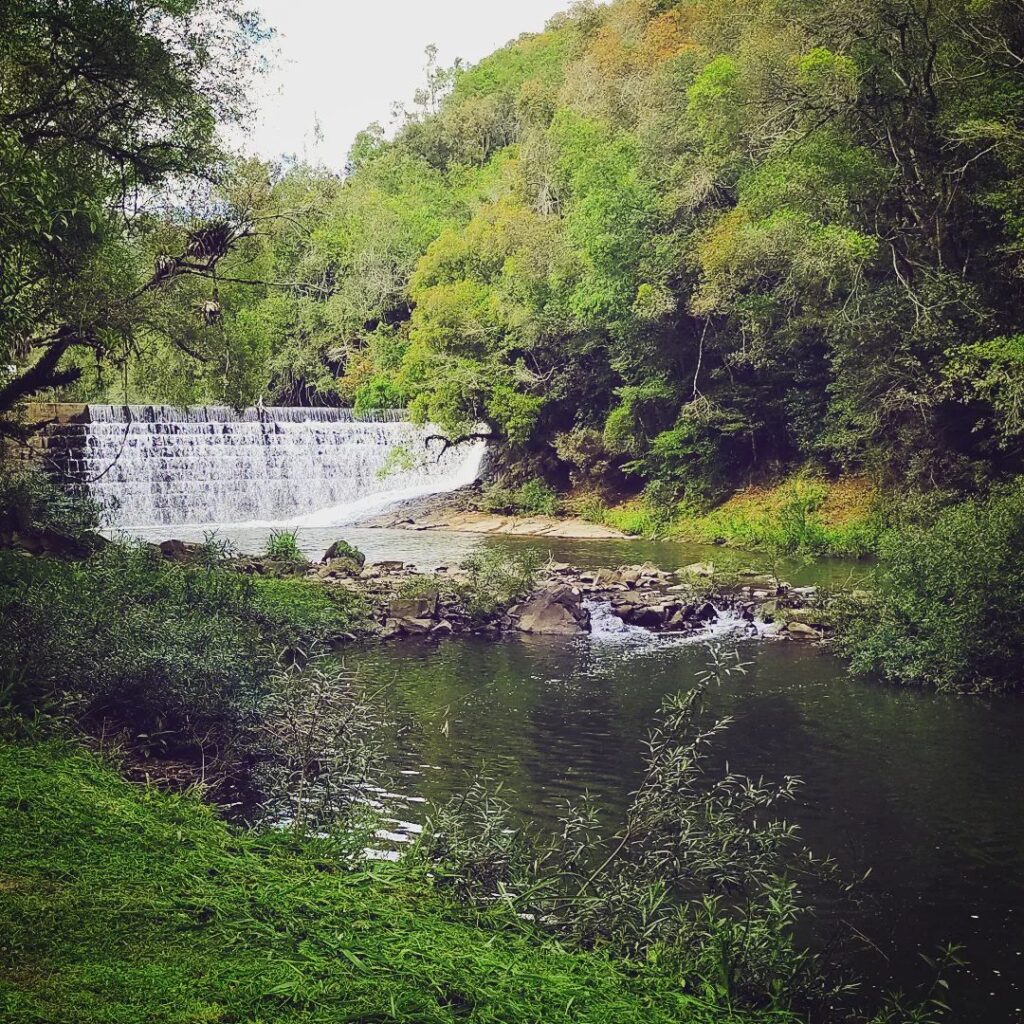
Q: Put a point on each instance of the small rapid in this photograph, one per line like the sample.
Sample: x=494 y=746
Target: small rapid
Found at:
x=607 y=627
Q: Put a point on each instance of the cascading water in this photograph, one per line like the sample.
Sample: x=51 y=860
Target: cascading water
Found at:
x=159 y=465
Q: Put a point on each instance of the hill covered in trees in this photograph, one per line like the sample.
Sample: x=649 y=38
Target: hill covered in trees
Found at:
x=659 y=245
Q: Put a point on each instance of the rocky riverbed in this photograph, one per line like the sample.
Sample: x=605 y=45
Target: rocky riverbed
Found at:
x=554 y=599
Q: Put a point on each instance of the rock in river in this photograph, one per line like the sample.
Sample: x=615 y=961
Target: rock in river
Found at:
x=555 y=610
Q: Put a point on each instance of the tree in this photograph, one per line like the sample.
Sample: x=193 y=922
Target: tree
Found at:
x=103 y=105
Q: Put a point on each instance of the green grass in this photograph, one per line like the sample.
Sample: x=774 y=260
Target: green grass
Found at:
x=122 y=904
x=308 y=609
x=283 y=544
x=802 y=514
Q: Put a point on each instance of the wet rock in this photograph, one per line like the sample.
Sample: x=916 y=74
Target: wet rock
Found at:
x=342 y=549
x=707 y=612
x=416 y=626
x=648 y=616
x=817 y=618
x=181 y=551
x=650 y=571
x=761 y=582
x=801 y=631
x=442 y=628
x=387 y=567
x=336 y=568
x=703 y=569
x=424 y=607
x=681 y=619
x=555 y=610
x=44 y=540
x=629 y=575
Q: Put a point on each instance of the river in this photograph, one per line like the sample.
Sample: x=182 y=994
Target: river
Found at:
x=925 y=790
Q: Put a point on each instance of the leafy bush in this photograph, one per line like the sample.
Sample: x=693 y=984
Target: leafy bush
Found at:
x=949 y=602
x=30 y=501
x=583 y=449
x=696 y=877
x=282 y=544
x=493 y=580
x=177 y=655
x=533 y=498
x=497 y=579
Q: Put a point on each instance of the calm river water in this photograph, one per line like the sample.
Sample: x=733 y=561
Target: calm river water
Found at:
x=925 y=790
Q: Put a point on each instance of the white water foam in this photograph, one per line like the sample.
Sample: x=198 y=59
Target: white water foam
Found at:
x=606 y=627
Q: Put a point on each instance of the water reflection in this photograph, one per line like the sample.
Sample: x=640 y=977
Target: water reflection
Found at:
x=427 y=549
x=925 y=790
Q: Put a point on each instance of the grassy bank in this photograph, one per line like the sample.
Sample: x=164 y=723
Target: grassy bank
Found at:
x=804 y=514
x=123 y=904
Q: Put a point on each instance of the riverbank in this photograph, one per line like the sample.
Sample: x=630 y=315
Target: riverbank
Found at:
x=122 y=903
x=459 y=511
x=802 y=513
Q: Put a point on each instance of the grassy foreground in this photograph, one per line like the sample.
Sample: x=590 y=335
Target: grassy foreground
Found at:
x=124 y=904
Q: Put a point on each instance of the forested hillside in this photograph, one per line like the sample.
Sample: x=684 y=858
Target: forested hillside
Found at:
x=668 y=245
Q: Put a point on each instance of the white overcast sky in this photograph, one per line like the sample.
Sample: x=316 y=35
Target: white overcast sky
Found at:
x=343 y=63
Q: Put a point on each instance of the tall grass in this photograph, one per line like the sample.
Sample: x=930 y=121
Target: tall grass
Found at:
x=121 y=904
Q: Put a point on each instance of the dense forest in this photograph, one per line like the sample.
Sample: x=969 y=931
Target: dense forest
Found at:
x=740 y=271
x=673 y=245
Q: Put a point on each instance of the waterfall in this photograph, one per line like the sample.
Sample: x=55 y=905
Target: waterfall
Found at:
x=160 y=465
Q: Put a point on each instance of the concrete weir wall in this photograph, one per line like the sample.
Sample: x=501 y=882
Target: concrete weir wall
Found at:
x=58 y=412
x=150 y=465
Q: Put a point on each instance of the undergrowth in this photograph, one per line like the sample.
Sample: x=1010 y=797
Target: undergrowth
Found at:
x=803 y=515
x=491 y=580
x=121 y=904
x=178 y=655
x=947 y=606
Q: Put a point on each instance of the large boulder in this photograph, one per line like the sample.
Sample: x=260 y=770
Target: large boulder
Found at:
x=181 y=551
x=556 y=610
x=342 y=549
x=422 y=607
x=801 y=631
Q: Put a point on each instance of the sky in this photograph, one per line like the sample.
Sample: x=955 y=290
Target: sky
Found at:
x=341 y=64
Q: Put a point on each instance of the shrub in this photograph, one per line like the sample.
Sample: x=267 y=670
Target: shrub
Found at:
x=492 y=581
x=282 y=544
x=496 y=579
x=30 y=501
x=177 y=655
x=533 y=498
x=583 y=449
x=696 y=877
x=163 y=650
x=949 y=605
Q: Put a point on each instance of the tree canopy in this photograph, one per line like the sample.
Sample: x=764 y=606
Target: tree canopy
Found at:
x=676 y=244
